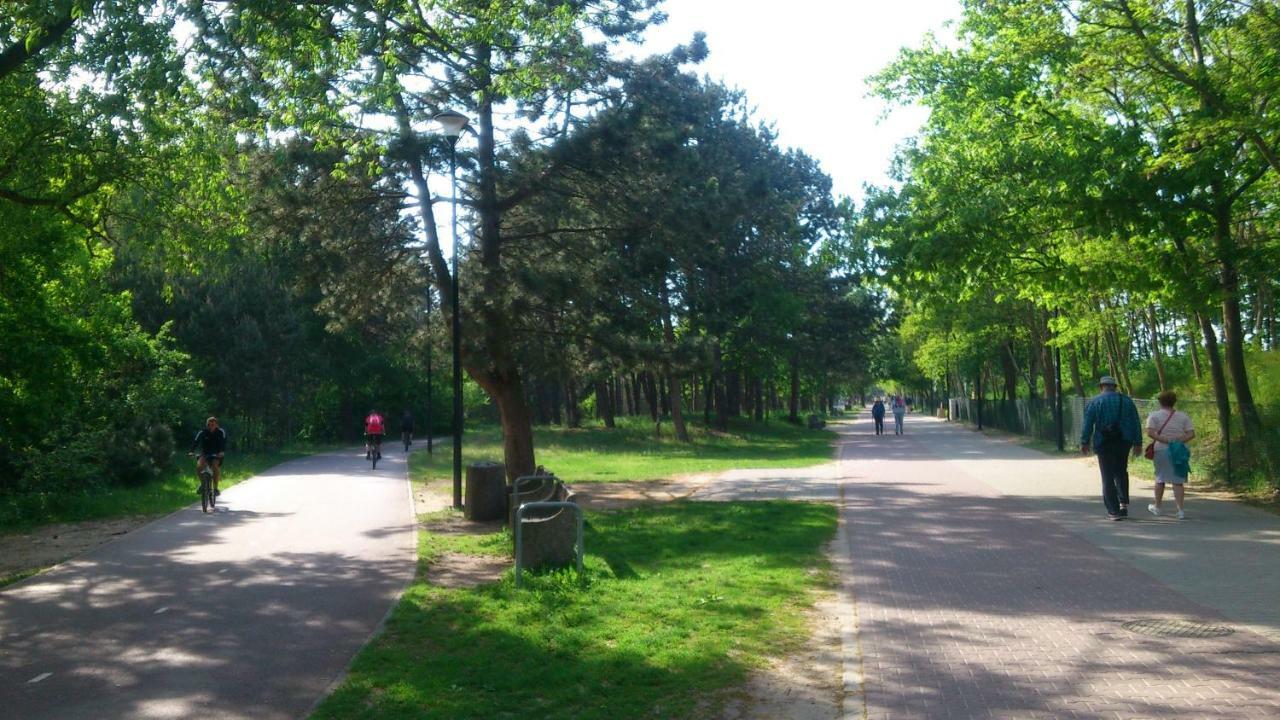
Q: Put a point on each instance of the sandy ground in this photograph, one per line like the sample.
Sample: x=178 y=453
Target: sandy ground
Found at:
x=46 y=546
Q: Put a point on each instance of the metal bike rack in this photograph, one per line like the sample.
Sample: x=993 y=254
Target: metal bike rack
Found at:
x=520 y=530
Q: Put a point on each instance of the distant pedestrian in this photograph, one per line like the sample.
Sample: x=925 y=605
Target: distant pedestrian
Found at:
x=899 y=411
x=877 y=414
x=1170 y=429
x=1112 y=429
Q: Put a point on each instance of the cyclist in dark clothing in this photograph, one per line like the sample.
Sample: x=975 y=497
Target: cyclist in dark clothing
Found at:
x=212 y=441
x=406 y=428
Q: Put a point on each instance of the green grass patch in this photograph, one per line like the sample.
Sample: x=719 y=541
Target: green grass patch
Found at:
x=680 y=602
x=20 y=512
x=431 y=545
x=12 y=578
x=632 y=452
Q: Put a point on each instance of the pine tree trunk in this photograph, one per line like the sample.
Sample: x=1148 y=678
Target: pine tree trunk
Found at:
x=794 y=404
x=708 y=396
x=669 y=339
x=513 y=415
x=604 y=403
x=650 y=394
x=719 y=383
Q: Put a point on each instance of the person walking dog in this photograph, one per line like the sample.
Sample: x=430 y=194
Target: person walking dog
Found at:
x=1113 y=430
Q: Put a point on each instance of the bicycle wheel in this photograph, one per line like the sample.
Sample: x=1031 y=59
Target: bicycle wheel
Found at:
x=407 y=442
x=205 y=495
x=374 y=455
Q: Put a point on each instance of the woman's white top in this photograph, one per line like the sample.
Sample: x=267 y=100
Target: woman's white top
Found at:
x=1179 y=425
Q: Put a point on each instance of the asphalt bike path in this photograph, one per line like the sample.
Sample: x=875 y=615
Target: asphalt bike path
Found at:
x=252 y=611
x=982 y=580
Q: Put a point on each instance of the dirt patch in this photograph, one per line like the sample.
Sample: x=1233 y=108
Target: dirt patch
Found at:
x=49 y=545
x=802 y=686
x=464 y=571
x=453 y=570
x=611 y=496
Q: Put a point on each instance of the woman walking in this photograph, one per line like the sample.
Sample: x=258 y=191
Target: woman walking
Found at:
x=877 y=414
x=899 y=411
x=1170 y=430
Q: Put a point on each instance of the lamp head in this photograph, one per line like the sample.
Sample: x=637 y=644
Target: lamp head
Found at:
x=452 y=122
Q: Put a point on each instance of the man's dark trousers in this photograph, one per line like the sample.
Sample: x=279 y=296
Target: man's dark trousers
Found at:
x=1113 y=462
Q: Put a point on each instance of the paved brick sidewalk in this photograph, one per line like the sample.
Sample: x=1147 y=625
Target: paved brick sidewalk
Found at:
x=982 y=594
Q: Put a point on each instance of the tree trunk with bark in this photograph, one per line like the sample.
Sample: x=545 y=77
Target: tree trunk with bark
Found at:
x=1074 y=362
x=669 y=339
x=793 y=405
x=1010 y=370
x=1193 y=348
x=1216 y=372
x=1232 y=326
x=718 y=383
x=1155 y=346
x=604 y=403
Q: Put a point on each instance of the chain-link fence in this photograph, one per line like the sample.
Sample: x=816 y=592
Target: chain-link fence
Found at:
x=1035 y=417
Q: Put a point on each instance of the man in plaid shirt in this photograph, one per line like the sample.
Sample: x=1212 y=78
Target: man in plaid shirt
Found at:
x=1112 y=428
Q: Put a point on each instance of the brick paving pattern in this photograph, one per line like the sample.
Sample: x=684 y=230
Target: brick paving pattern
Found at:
x=973 y=604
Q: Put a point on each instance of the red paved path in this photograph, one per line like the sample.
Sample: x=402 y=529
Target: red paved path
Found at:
x=974 y=604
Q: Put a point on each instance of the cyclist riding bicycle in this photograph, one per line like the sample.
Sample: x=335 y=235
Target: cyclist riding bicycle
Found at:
x=374 y=429
x=212 y=441
x=406 y=428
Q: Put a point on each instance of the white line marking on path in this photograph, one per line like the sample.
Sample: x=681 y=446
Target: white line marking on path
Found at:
x=161 y=610
x=39 y=678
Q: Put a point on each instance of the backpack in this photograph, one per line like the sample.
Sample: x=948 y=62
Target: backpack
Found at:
x=1112 y=434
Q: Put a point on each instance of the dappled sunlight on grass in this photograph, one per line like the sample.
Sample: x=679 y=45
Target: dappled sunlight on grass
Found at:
x=680 y=603
x=632 y=452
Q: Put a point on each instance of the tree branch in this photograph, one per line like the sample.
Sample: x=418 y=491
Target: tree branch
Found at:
x=14 y=56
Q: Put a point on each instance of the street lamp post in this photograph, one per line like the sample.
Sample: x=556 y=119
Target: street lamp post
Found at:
x=453 y=124
x=427 y=419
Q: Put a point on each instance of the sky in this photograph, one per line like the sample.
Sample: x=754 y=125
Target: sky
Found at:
x=803 y=65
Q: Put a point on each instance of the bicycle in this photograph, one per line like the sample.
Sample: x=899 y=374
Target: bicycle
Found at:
x=408 y=440
x=208 y=496
x=373 y=449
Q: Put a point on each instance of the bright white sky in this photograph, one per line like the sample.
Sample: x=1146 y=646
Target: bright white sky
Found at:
x=804 y=63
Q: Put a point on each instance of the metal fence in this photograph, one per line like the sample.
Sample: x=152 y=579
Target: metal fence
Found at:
x=1035 y=417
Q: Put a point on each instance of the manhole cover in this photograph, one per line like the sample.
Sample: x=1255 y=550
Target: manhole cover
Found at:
x=1176 y=628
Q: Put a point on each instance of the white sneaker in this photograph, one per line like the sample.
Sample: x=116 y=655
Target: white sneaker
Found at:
x=1182 y=515
x=1151 y=508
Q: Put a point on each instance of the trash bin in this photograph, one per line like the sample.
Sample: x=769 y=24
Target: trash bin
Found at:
x=486 y=491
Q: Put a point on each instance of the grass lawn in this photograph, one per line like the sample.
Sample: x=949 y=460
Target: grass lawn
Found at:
x=680 y=602
x=19 y=512
x=631 y=452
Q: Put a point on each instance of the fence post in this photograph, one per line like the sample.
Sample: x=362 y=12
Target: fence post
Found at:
x=1057 y=393
x=979 y=388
